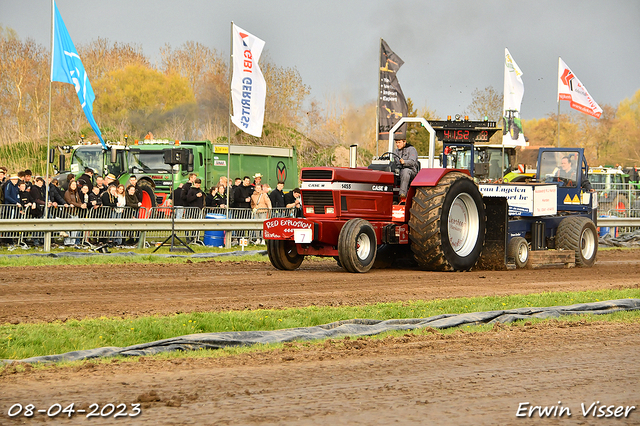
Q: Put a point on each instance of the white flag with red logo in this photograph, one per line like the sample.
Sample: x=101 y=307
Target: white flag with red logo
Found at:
x=571 y=89
x=248 y=88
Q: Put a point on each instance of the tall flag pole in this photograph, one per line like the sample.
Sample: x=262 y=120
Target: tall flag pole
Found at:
x=571 y=89
x=66 y=67
x=513 y=92
x=228 y=244
x=248 y=87
x=47 y=241
x=392 y=104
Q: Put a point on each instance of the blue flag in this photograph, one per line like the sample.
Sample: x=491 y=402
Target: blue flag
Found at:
x=67 y=67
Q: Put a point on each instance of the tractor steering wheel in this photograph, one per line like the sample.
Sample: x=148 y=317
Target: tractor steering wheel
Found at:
x=388 y=156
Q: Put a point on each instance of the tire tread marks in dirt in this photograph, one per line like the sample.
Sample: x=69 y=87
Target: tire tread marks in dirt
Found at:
x=427 y=230
x=569 y=237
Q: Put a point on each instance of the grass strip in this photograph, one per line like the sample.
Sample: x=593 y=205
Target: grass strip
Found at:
x=27 y=340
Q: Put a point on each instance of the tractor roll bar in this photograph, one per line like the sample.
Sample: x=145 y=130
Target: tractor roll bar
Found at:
x=425 y=123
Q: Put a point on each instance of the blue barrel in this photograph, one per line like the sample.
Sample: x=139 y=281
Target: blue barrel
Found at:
x=604 y=230
x=214 y=238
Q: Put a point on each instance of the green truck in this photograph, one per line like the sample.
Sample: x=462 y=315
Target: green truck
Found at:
x=145 y=160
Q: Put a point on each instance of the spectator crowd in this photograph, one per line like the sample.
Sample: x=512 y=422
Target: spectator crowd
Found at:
x=90 y=191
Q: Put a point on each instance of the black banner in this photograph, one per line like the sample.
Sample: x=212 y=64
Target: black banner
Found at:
x=391 y=102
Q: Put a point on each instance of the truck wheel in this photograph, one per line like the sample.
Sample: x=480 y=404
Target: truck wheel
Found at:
x=579 y=234
x=357 y=246
x=519 y=250
x=447 y=224
x=283 y=255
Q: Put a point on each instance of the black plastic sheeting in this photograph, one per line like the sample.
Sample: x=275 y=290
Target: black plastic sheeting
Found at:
x=631 y=239
x=130 y=253
x=354 y=327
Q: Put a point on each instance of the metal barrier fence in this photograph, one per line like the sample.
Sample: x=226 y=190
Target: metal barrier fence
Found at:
x=625 y=204
x=115 y=236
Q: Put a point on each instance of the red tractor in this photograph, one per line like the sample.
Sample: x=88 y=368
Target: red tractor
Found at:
x=353 y=215
x=447 y=224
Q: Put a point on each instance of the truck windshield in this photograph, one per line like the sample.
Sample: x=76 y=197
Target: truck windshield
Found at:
x=84 y=157
x=559 y=164
x=147 y=161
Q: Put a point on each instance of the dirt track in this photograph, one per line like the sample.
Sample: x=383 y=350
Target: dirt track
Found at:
x=416 y=379
x=64 y=292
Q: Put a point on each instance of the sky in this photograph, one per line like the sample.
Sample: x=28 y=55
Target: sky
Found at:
x=449 y=47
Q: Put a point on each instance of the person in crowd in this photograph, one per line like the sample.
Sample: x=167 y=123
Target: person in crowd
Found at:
x=232 y=189
x=56 y=197
x=222 y=181
x=86 y=179
x=26 y=200
x=209 y=199
x=133 y=181
x=109 y=198
x=21 y=175
x=277 y=196
x=120 y=203
x=292 y=200
x=38 y=196
x=3 y=182
x=120 y=192
x=73 y=197
x=195 y=198
x=102 y=187
x=70 y=177
x=260 y=200
x=95 y=200
x=242 y=194
x=27 y=179
x=110 y=180
x=257 y=179
x=84 y=195
x=186 y=188
x=131 y=199
x=177 y=196
x=261 y=204
x=221 y=197
x=11 y=191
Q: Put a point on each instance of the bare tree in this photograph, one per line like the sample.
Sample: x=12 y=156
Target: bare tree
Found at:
x=485 y=103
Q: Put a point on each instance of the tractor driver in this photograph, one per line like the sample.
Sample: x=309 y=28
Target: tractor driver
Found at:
x=566 y=169
x=407 y=157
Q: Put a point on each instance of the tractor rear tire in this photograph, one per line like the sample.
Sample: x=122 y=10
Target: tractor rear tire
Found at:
x=578 y=233
x=519 y=250
x=284 y=255
x=447 y=224
x=357 y=245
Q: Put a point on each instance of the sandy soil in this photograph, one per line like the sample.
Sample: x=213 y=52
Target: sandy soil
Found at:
x=423 y=378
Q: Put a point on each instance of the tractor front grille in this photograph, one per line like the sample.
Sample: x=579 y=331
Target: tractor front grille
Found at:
x=311 y=174
x=318 y=199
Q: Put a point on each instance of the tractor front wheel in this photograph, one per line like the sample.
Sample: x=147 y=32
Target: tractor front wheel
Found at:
x=284 y=255
x=357 y=246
